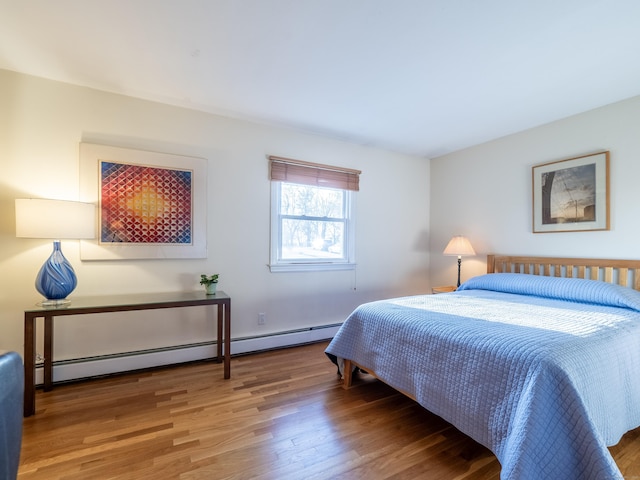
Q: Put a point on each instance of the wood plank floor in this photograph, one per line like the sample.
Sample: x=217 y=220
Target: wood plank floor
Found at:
x=282 y=415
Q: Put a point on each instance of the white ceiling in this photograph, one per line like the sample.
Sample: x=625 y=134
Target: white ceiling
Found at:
x=425 y=77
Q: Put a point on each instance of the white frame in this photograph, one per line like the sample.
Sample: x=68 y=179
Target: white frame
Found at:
x=601 y=222
x=90 y=157
x=277 y=265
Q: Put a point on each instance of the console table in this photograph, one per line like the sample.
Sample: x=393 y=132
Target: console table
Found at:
x=114 y=303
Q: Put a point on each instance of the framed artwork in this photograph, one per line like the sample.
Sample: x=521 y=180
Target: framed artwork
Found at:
x=150 y=205
x=571 y=195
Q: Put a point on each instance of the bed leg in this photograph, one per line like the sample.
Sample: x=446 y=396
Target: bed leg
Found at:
x=347 y=374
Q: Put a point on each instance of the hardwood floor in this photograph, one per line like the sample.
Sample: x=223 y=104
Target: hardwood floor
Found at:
x=282 y=415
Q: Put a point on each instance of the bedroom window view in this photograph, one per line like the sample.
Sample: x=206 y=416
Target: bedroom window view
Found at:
x=312 y=222
x=312 y=209
x=310 y=227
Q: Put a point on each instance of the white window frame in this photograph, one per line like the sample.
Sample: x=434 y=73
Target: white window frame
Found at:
x=277 y=264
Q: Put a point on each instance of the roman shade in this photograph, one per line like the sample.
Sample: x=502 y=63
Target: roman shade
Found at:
x=307 y=173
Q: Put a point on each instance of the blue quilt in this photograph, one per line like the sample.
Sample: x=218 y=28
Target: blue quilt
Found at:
x=541 y=370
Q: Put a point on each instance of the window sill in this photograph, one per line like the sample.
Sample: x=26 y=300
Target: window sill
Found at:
x=310 y=267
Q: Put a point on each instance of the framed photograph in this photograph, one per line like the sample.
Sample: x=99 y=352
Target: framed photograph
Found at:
x=571 y=195
x=150 y=205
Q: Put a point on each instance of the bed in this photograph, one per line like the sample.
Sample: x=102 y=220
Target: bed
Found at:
x=538 y=360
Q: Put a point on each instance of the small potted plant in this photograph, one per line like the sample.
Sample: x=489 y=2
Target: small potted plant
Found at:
x=210 y=283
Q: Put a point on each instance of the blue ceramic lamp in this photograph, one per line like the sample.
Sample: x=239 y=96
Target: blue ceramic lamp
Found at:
x=55 y=219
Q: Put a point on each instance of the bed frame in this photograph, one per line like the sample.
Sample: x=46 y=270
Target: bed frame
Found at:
x=622 y=272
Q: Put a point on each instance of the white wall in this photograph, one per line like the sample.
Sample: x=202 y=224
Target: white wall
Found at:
x=41 y=125
x=484 y=192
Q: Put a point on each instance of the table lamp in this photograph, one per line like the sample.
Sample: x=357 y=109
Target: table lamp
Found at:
x=459 y=246
x=55 y=219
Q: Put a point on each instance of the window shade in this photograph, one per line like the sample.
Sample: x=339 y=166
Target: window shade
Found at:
x=307 y=173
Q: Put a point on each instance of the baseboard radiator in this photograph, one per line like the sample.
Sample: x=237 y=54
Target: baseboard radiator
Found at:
x=81 y=368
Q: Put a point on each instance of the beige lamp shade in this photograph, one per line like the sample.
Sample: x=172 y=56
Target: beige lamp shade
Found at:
x=459 y=246
x=54 y=219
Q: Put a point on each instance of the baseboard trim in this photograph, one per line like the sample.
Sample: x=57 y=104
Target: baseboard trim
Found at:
x=82 y=368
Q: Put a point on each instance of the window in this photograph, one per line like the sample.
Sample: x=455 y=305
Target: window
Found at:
x=311 y=216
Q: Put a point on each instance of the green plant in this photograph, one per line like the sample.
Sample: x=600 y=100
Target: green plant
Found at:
x=204 y=280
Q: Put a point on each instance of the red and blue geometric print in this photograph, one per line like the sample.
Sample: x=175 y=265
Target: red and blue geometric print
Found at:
x=145 y=205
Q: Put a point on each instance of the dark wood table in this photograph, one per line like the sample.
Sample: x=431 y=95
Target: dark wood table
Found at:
x=113 y=303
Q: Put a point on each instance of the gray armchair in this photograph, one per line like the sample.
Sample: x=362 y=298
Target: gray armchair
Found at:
x=11 y=412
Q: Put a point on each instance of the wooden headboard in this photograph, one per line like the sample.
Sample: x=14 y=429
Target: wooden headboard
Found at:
x=622 y=272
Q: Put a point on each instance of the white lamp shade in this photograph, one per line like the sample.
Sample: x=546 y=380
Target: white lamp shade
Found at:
x=54 y=219
x=459 y=246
